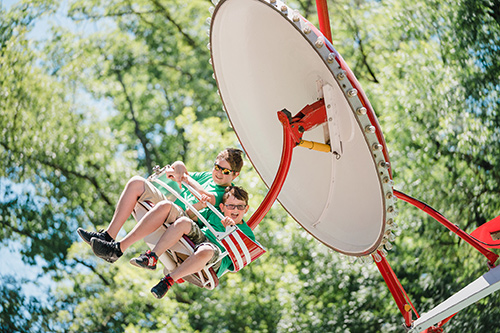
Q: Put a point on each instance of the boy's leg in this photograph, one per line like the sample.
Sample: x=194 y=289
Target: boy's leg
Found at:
x=134 y=189
x=193 y=264
x=180 y=227
x=196 y=262
x=128 y=199
x=164 y=211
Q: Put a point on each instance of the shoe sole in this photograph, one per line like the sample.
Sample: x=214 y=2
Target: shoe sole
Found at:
x=135 y=263
x=81 y=236
x=157 y=295
x=110 y=259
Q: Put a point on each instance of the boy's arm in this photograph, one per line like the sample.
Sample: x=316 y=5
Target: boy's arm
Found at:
x=193 y=183
x=198 y=206
x=178 y=173
x=181 y=174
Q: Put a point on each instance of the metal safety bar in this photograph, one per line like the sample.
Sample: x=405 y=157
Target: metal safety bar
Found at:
x=218 y=235
x=178 y=196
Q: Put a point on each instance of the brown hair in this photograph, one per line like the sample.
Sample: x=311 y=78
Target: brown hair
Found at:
x=234 y=157
x=237 y=191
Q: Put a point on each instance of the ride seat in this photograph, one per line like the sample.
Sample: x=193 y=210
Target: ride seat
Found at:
x=206 y=278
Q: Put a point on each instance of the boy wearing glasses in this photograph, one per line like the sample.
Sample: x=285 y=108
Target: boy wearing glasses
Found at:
x=211 y=185
x=234 y=205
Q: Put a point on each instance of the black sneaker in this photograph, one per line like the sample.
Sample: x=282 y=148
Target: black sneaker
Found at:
x=88 y=235
x=146 y=260
x=162 y=287
x=109 y=251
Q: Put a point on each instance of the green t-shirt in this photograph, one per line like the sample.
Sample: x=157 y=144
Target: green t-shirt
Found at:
x=205 y=180
x=215 y=222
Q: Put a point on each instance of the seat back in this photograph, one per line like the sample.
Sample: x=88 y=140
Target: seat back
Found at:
x=241 y=249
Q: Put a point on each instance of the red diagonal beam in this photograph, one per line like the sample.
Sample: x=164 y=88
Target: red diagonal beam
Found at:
x=397 y=291
x=491 y=256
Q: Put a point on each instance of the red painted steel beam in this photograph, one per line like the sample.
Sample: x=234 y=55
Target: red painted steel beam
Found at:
x=279 y=179
x=324 y=20
x=310 y=116
x=491 y=256
x=293 y=129
x=396 y=290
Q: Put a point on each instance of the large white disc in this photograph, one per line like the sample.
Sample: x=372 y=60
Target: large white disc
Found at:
x=267 y=58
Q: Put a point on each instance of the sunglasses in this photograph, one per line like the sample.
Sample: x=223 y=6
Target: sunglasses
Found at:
x=225 y=171
x=239 y=207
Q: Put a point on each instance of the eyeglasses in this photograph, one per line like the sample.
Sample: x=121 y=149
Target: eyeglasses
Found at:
x=225 y=171
x=239 y=207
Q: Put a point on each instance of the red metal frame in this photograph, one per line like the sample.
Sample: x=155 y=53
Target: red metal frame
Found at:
x=279 y=180
x=314 y=115
x=491 y=256
x=324 y=20
x=311 y=115
x=402 y=300
x=397 y=291
x=293 y=129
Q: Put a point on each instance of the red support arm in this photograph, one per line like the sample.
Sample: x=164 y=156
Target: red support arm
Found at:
x=286 y=159
x=491 y=256
x=402 y=300
x=324 y=20
x=396 y=290
x=293 y=128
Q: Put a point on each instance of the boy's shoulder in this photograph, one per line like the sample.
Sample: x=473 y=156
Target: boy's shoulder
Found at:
x=205 y=179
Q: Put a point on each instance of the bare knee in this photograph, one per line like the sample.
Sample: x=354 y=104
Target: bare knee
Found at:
x=204 y=252
x=183 y=223
x=164 y=207
x=136 y=184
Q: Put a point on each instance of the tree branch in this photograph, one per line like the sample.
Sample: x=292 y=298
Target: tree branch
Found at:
x=90 y=179
x=93 y=269
x=306 y=7
x=14 y=229
x=167 y=14
x=494 y=11
x=161 y=10
x=180 y=299
x=67 y=172
x=177 y=68
x=137 y=130
x=364 y=57
x=115 y=14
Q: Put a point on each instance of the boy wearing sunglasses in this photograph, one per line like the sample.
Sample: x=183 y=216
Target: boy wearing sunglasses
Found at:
x=211 y=185
x=234 y=205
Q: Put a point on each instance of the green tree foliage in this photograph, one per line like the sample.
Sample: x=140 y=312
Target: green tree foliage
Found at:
x=153 y=65
x=56 y=168
x=20 y=313
x=439 y=119
x=128 y=85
